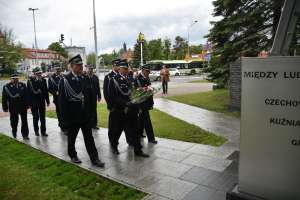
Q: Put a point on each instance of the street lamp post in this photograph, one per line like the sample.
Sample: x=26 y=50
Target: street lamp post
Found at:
x=141 y=39
x=188 y=31
x=35 y=41
x=95 y=36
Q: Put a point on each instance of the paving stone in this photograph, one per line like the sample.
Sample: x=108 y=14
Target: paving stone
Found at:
x=233 y=168
x=155 y=197
x=172 y=188
x=130 y=159
x=170 y=154
x=209 y=178
x=200 y=193
x=207 y=162
x=174 y=144
x=149 y=180
x=205 y=193
x=127 y=174
x=217 y=152
x=167 y=167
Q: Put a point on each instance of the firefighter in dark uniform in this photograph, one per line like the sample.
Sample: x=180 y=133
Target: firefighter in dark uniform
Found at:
x=144 y=122
x=94 y=81
x=53 y=82
x=124 y=115
x=107 y=79
x=75 y=99
x=38 y=96
x=14 y=101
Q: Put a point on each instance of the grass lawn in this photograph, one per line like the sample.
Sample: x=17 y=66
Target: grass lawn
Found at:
x=28 y=174
x=166 y=126
x=216 y=100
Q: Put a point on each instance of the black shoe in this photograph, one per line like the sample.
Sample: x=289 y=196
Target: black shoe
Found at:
x=143 y=136
x=96 y=128
x=76 y=160
x=153 y=141
x=98 y=163
x=36 y=133
x=141 y=154
x=44 y=134
x=26 y=138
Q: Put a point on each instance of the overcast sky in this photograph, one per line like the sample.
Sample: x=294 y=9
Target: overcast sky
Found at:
x=118 y=21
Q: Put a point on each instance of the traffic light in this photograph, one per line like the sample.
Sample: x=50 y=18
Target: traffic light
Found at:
x=62 y=37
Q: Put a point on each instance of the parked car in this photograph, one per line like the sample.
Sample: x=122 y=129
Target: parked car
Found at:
x=154 y=75
x=174 y=72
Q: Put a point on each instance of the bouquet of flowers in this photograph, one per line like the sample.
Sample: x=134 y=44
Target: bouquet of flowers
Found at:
x=139 y=95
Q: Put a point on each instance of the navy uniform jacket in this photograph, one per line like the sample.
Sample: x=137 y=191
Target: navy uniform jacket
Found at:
x=14 y=97
x=119 y=93
x=75 y=97
x=96 y=86
x=53 y=82
x=107 y=79
x=142 y=81
x=37 y=91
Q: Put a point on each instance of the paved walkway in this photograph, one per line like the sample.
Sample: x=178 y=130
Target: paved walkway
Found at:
x=176 y=170
x=217 y=123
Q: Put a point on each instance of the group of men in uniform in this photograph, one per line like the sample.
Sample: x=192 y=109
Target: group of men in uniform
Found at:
x=75 y=96
x=123 y=115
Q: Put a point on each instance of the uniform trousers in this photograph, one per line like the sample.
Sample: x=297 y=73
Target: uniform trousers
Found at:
x=144 y=123
x=39 y=114
x=14 y=119
x=88 y=140
x=127 y=123
x=58 y=113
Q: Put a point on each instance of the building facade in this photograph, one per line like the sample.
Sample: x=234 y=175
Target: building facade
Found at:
x=38 y=58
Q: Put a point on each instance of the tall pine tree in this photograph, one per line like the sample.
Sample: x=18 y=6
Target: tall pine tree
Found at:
x=246 y=28
x=136 y=62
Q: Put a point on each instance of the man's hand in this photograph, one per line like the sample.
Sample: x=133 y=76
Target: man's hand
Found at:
x=48 y=104
x=5 y=110
x=99 y=99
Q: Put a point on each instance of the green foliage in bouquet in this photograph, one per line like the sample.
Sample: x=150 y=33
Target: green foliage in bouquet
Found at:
x=139 y=95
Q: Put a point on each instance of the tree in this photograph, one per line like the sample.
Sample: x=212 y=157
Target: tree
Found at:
x=10 y=52
x=90 y=60
x=136 y=62
x=124 y=47
x=179 y=48
x=167 y=49
x=246 y=28
x=108 y=58
x=155 y=49
x=196 y=49
x=56 y=46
